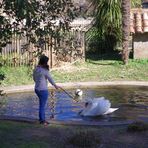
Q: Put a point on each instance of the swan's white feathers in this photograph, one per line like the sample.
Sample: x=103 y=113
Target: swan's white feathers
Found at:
x=79 y=92
x=98 y=106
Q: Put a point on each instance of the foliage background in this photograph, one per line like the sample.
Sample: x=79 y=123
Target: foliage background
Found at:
x=106 y=34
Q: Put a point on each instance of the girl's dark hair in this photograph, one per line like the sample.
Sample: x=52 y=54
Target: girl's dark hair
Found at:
x=44 y=61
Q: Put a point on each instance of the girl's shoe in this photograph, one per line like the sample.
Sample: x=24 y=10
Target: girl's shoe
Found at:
x=44 y=123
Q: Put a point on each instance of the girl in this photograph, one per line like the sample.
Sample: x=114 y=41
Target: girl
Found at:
x=40 y=76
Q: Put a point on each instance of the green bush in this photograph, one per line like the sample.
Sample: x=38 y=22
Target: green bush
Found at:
x=16 y=75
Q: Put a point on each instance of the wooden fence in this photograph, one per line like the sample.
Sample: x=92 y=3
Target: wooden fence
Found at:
x=66 y=50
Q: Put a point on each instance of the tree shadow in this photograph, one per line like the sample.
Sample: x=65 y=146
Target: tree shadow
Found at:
x=110 y=58
x=2 y=77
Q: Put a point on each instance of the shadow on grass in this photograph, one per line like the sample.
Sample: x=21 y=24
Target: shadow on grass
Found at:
x=114 y=55
x=112 y=58
x=108 y=59
x=23 y=135
x=107 y=63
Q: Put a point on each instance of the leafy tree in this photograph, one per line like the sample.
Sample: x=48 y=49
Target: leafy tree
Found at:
x=135 y=3
x=107 y=23
x=35 y=19
x=5 y=29
x=109 y=19
x=108 y=16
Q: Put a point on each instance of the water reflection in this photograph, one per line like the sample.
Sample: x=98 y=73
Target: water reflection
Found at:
x=132 y=103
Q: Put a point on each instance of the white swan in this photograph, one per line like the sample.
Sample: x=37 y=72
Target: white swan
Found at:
x=78 y=92
x=97 y=106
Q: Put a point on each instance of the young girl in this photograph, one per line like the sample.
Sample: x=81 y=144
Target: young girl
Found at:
x=40 y=76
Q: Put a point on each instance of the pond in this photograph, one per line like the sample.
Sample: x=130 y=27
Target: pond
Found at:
x=131 y=101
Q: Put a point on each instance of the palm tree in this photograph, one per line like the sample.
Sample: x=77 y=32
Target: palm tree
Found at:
x=107 y=21
x=108 y=14
x=136 y=3
x=113 y=13
x=125 y=29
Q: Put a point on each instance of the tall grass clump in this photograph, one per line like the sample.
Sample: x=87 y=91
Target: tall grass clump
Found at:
x=84 y=139
x=16 y=75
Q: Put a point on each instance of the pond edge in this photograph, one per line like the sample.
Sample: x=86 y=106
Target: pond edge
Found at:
x=75 y=85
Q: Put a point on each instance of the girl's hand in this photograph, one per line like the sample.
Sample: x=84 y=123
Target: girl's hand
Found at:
x=57 y=87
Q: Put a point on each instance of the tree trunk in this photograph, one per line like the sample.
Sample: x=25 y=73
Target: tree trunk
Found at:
x=125 y=30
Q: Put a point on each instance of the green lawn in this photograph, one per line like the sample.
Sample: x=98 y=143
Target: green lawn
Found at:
x=91 y=70
x=107 y=70
x=25 y=135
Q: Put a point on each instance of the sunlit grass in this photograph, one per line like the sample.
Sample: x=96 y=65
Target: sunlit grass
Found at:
x=103 y=71
x=91 y=70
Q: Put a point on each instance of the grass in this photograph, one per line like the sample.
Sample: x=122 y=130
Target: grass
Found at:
x=104 y=70
x=85 y=139
x=16 y=76
x=11 y=134
x=25 y=135
x=138 y=126
x=91 y=70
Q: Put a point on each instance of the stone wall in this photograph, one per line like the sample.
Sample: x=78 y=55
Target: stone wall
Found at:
x=140 y=44
x=139 y=30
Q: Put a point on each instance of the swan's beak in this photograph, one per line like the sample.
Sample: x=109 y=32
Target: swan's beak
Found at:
x=111 y=110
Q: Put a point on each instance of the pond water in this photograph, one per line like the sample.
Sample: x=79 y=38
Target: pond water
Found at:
x=131 y=101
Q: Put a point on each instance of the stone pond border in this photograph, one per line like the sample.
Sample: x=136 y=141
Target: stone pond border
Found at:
x=74 y=85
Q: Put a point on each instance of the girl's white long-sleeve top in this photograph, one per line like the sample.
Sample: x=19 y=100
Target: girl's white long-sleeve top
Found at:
x=40 y=77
